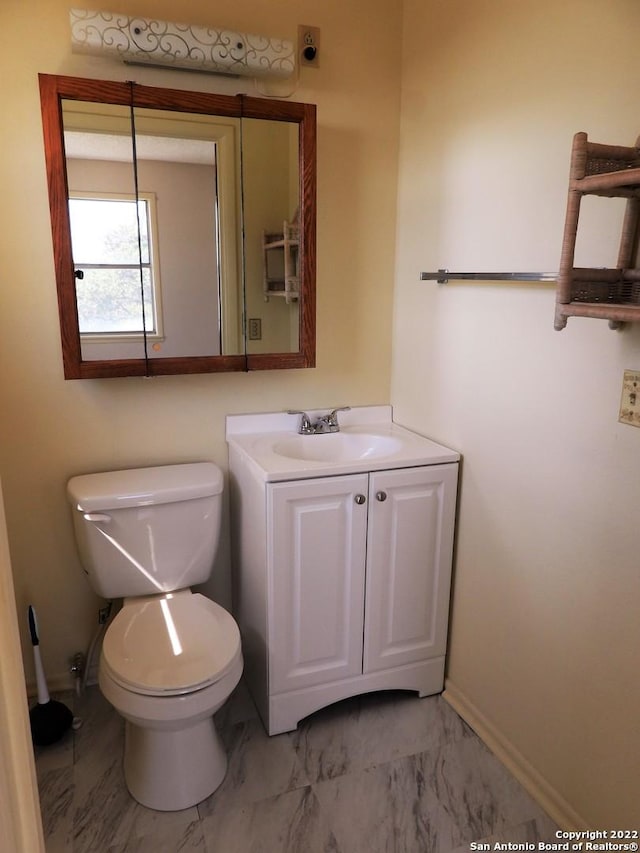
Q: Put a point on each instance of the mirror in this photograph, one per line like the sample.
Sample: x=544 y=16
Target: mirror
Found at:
x=183 y=229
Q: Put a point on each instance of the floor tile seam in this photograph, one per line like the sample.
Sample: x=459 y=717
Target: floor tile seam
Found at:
x=431 y=787
x=432 y=745
x=399 y=756
x=360 y=769
x=231 y=801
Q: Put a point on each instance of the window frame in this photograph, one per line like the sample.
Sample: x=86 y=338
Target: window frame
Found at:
x=150 y=200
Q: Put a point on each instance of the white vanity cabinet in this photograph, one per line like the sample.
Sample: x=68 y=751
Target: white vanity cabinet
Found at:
x=342 y=584
x=360 y=571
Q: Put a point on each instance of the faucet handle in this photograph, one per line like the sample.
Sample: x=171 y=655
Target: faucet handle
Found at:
x=305 y=421
x=332 y=417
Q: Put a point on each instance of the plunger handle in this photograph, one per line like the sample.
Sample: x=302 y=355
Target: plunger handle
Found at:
x=43 y=692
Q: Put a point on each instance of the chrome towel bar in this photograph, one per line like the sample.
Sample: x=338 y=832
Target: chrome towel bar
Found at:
x=443 y=276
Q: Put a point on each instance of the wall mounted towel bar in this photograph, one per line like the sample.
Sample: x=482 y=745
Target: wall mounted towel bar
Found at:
x=443 y=276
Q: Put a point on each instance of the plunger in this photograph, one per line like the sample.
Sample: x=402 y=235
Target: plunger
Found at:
x=49 y=719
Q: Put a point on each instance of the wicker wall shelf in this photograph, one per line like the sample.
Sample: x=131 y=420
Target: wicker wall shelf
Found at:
x=612 y=171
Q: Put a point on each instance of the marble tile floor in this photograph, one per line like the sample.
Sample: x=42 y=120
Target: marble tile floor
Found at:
x=382 y=773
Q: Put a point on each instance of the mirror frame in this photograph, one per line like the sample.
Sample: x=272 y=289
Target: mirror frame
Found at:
x=53 y=90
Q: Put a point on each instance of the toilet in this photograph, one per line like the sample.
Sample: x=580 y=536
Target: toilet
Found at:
x=170 y=657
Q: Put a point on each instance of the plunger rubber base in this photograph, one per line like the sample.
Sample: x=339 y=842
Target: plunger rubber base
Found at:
x=49 y=722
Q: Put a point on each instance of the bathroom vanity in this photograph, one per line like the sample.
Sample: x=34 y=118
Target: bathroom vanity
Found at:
x=343 y=549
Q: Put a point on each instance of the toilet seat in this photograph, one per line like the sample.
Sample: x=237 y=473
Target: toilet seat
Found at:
x=170 y=644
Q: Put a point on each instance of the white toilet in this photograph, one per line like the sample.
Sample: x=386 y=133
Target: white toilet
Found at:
x=170 y=658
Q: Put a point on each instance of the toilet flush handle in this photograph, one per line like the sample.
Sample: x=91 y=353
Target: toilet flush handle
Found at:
x=97 y=517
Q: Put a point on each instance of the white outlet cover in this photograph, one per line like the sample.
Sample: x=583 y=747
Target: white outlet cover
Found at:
x=630 y=402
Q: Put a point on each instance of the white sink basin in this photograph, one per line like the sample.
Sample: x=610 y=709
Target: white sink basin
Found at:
x=271 y=448
x=337 y=446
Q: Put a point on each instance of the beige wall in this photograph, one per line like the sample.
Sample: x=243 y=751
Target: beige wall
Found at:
x=545 y=634
x=50 y=428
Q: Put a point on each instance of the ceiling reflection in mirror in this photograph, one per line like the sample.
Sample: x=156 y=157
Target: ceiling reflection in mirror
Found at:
x=181 y=221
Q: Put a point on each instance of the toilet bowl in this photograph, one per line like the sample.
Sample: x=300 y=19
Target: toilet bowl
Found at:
x=168 y=663
x=171 y=657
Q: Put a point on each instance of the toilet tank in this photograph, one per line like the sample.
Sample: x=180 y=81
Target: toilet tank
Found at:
x=147 y=530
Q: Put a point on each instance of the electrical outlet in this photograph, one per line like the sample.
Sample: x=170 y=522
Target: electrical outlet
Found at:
x=630 y=402
x=255 y=329
x=309 y=45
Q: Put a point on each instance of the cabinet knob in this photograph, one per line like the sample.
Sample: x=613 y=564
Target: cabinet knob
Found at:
x=381 y=496
x=360 y=499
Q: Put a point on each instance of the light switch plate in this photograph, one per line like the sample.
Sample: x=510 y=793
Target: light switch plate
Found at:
x=255 y=328
x=630 y=402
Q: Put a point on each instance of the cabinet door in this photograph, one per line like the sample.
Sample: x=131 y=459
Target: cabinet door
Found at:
x=409 y=554
x=317 y=541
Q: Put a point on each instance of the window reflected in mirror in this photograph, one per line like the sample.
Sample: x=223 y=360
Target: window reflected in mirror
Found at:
x=187 y=170
x=117 y=283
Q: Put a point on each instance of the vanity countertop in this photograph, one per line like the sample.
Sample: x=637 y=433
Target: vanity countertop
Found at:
x=368 y=440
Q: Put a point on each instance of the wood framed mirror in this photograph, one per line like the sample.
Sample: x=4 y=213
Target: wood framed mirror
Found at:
x=183 y=228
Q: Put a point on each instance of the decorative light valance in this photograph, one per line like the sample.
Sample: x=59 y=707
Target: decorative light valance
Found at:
x=186 y=46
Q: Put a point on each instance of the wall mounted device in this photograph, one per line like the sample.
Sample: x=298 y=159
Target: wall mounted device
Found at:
x=308 y=45
x=186 y=46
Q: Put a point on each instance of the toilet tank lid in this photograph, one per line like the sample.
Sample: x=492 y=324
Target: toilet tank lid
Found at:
x=144 y=486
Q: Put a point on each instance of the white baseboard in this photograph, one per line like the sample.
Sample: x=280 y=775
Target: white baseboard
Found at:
x=61 y=683
x=537 y=786
x=55 y=684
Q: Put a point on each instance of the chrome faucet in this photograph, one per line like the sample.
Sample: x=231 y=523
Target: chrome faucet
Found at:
x=322 y=425
x=304 y=427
